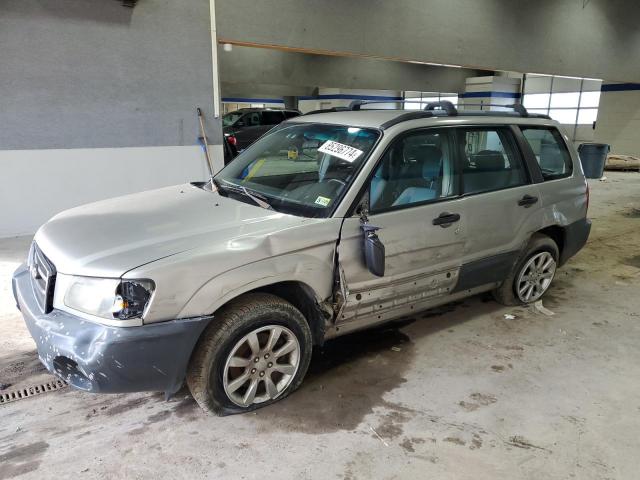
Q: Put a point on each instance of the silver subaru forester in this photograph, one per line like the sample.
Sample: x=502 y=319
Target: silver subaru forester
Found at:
x=330 y=223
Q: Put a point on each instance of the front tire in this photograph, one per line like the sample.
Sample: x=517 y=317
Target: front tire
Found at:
x=532 y=274
x=256 y=352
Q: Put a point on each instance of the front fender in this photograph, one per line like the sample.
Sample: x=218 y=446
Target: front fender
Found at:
x=204 y=279
x=313 y=268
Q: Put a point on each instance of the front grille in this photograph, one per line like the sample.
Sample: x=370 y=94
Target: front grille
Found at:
x=43 y=278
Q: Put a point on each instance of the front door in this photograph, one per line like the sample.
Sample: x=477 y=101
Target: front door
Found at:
x=413 y=198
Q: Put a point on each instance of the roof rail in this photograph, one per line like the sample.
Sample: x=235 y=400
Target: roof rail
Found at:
x=442 y=105
x=357 y=104
x=516 y=107
x=327 y=110
x=405 y=117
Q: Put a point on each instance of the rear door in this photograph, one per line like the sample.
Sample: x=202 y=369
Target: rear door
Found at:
x=413 y=197
x=502 y=203
x=563 y=189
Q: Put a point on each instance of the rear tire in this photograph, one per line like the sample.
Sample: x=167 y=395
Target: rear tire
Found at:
x=513 y=290
x=239 y=364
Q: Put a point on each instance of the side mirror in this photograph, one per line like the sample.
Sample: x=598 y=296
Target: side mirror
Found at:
x=239 y=123
x=374 y=256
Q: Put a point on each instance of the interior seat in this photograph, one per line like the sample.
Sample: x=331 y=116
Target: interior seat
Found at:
x=488 y=173
x=379 y=182
x=424 y=184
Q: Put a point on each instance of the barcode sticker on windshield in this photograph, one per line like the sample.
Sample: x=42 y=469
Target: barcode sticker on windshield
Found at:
x=340 y=150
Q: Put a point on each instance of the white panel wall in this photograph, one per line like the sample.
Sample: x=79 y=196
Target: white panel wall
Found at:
x=37 y=184
x=490 y=90
x=619 y=122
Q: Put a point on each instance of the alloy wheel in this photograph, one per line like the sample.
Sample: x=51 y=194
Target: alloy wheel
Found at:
x=261 y=365
x=535 y=277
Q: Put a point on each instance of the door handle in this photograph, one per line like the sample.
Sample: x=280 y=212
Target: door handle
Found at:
x=527 y=201
x=446 y=219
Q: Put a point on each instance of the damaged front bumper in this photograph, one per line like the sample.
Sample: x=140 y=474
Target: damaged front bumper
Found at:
x=100 y=358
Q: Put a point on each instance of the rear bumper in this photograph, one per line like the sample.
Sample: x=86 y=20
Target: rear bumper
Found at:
x=575 y=237
x=100 y=358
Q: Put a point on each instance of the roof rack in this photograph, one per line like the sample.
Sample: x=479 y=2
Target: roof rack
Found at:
x=445 y=105
x=441 y=108
x=327 y=110
x=516 y=107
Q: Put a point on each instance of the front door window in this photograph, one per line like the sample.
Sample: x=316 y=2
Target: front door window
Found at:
x=416 y=169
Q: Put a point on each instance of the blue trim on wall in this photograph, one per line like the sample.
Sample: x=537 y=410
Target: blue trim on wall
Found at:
x=490 y=95
x=620 y=87
x=345 y=96
x=251 y=100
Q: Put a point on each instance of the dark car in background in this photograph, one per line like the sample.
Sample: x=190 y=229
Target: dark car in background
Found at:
x=244 y=126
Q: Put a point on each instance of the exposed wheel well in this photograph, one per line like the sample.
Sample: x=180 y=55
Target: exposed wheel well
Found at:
x=303 y=298
x=556 y=233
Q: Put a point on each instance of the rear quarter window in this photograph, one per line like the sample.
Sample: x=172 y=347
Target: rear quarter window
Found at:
x=550 y=151
x=270 y=117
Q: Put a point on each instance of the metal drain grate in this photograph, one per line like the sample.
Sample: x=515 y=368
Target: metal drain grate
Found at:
x=31 y=391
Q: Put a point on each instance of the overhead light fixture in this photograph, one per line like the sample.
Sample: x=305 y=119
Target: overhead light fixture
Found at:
x=227 y=47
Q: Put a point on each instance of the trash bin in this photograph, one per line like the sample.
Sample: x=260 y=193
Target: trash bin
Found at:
x=593 y=157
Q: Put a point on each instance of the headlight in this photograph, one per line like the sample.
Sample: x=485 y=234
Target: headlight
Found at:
x=109 y=298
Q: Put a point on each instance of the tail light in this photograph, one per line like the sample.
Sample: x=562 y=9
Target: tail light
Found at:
x=232 y=140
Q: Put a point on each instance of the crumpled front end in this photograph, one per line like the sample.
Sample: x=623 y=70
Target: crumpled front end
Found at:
x=99 y=358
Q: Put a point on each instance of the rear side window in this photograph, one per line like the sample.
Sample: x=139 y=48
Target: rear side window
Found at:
x=252 y=119
x=490 y=160
x=271 y=117
x=550 y=151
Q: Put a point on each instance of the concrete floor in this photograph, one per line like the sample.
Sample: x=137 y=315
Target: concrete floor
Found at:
x=461 y=393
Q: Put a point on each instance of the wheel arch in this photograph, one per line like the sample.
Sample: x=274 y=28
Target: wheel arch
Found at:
x=299 y=294
x=557 y=233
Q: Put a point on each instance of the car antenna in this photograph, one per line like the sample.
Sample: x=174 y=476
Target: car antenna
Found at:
x=203 y=142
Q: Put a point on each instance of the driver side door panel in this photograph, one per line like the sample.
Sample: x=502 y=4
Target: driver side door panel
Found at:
x=422 y=259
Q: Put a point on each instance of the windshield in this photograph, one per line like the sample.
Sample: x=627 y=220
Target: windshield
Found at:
x=230 y=118
x=302 y=169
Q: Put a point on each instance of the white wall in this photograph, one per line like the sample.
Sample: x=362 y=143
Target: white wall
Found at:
x=619 y=121
x=37 y=184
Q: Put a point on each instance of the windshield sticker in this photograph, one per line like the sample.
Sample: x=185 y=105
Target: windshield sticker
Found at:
x=324 y=201
x=340 y=150
x=292 y=154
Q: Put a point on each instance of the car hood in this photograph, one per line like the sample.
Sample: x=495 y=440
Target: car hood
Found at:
x=108 y=238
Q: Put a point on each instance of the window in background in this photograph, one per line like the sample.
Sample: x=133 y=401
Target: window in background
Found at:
x=537 y=100
x=419 y=100
x=272 y=117
x=571 y=101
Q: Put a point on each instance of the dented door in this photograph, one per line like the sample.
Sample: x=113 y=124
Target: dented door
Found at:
x=422 y=263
